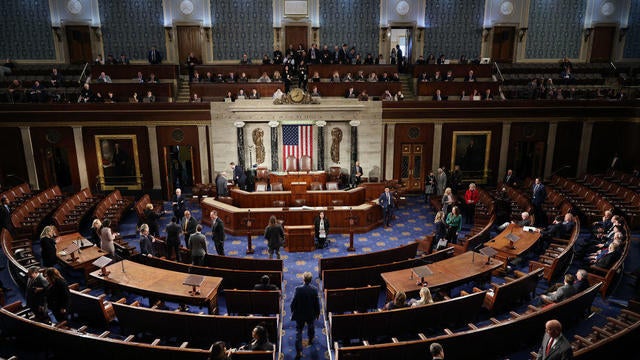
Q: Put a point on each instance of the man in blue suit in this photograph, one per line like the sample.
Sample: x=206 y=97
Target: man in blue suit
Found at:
x=239 y=176
x=386 y=202
x=155 y=57
x=305 y=309
x=538 y=196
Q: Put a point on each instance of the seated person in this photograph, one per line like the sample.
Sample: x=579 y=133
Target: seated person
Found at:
x=195 y=98
x=266 y=60
x=56 y=78
x=387 y=96
x=110 y=99
x=384 y=77
x=123 y=59
x=315 y=92
x=487 y=95
x=315 y=77
x=421 y=60
x=351 y=93
x=565 y=291
x=449 y=76
x=231 y=78
x=441 y=60
x=360 y=76
x=243 y=78
x=560 y=228
x=219 y=78
x=335 y=77
x=86 y=95
x=398 y=302
x=208 y=77
x=98 y=98
x=437 y=76
x=348 y=78
x=363 y=96
x=425 y=298
x=609 y=257
x=373 y=77
x=395 y=77
x=264 y=78
x=229 y=97
x=277 y=77
x=196 y=77
x=580 y=283
x=134 y=98
x=103 y=78
x=526 y=221
x=471 y=77
x=153 y=79
x=278 y=94
x=265 y=284
x=149 y=98
x=399 y=96
x=245 y=60
x=475 y=95
x=254 y=94
x=438 y=96
x=423 y=77
x=111 y=60
x=139 y=78
x=15 y=91
x=241 y=95
x=260 y=340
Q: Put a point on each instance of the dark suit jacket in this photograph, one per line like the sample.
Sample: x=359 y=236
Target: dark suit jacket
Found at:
x=158 y=59
x=151 y=218
x=316 y=224
x=608 y=259
x=382 y=200
x=198 y=245
x=178 y=207
x=217 y=231
x=509 y=180
x=539 y=195
x=146 y=245
x=5 y=217
x=190 y=226
x=305 y=305
x=173 y=234
x=561 y=350
x=48 y=246
x=239 y=176
x=356 y=170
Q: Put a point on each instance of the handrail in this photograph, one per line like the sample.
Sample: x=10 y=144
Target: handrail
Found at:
x=499 y=72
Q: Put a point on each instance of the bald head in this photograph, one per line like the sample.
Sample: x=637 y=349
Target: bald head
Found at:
x=553 y=328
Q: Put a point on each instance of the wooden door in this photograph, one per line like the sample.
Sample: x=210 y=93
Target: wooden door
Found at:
x=189 y=40
x=79 y=43
x=602 y=46
x=504 y=38
x=295 y=35
x=411 y=166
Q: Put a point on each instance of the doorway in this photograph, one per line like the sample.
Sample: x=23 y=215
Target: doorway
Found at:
x=189 y=40
x=401 y=36
x=56 y=169
x=529 y=158
x=79 y=44
x=296 y=35
x=178 y=169
x=411 y=169
x=602 y=46
x=503 y=45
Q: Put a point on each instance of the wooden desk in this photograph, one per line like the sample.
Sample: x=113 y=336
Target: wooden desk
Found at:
x=261 y=199
x=162 y=72
x=253 y=71
x=459 y=70
x=325 y=71
x=161 y=284
x=122 y=91
x=369 y=216
x=209 y=90
x=86 y=256
x=373 y=88
x=508 y=250
x=299 y=238
x=455 y=88
x=445 y=274
x=298 y=176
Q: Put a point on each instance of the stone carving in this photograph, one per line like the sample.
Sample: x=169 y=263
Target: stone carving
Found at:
x=336 y=138
x=257 y=135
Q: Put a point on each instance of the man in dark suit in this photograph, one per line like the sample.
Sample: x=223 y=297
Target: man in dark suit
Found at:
x=554 y=345
x=509 y=179
x=386 y=202
x=173 y=238
x=321 y=227
x=217 y=232
x=539 y=195
x=565 y=291
x=356 y=174
x=305 y=308
x=189 y=225
x=221 y=184
x=438 y=96
x=155 y=57
x=198 y=246
x=265 y=284
x=470 y=77
x=5 y=215
x=239 y=176
x=177 y=204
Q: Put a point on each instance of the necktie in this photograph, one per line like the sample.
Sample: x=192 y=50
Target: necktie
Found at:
x=548 y=346
x=388 y=200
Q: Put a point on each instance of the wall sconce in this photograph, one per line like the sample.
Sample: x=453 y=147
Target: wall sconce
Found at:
x=622 y=33
x=385 y=34
x=587 y=33
x=58 y=31
x=315 y=33
x=277 y=30
x=207 y=32
x=168 y=30
x=96 y=32
x=522 y=33
x=485 y=33
x=420 y=33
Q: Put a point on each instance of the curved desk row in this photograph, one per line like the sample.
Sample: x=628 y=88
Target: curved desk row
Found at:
x=367 y=217
x=265 y=199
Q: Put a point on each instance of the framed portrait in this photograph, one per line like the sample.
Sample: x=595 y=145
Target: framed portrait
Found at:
x=471 y=151
x=118 y=164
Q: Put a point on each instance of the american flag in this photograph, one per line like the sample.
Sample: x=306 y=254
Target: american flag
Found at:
x=297 y=140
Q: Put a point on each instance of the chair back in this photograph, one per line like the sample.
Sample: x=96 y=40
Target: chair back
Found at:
x=305 y=163
x=332 y=185
x=316 y=185
x=261 y=186
x=277 y=186
x=292 y=163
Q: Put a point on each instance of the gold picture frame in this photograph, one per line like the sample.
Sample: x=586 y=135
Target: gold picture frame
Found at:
x=471 y=150
x=118 y=163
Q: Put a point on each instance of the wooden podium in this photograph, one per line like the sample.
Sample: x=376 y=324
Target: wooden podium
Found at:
x=299 y=238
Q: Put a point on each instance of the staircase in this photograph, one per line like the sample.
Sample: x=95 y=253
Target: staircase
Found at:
x=183 y=93
x=407 y=87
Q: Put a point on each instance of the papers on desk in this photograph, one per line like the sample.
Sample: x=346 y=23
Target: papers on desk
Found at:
x=303 y=208
x=529 y=228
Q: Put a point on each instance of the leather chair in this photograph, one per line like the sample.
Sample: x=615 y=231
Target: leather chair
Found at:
x=277 y=187
x=332 y=185
x=262 y=174
x=279 y=203
x=261 y=186
x=300 y=202
x=335 y=174
x=292 y=163
x=305 y=163
x=316 y=186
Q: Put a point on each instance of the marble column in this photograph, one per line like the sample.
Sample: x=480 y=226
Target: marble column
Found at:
x=321 y=124
x=82 y=163
x=585 y=145
x=240 y=143
x=155 y=162
x=274 y=145
x=204 y=154
x=29 y=157
x=551 y=147
x=354 y=142
x=504 y=150
x=437 y=145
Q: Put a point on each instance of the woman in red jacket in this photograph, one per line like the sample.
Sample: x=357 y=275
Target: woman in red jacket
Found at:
x=471 y=197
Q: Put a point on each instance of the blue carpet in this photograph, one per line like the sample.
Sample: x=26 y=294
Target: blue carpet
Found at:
x=413 y=221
